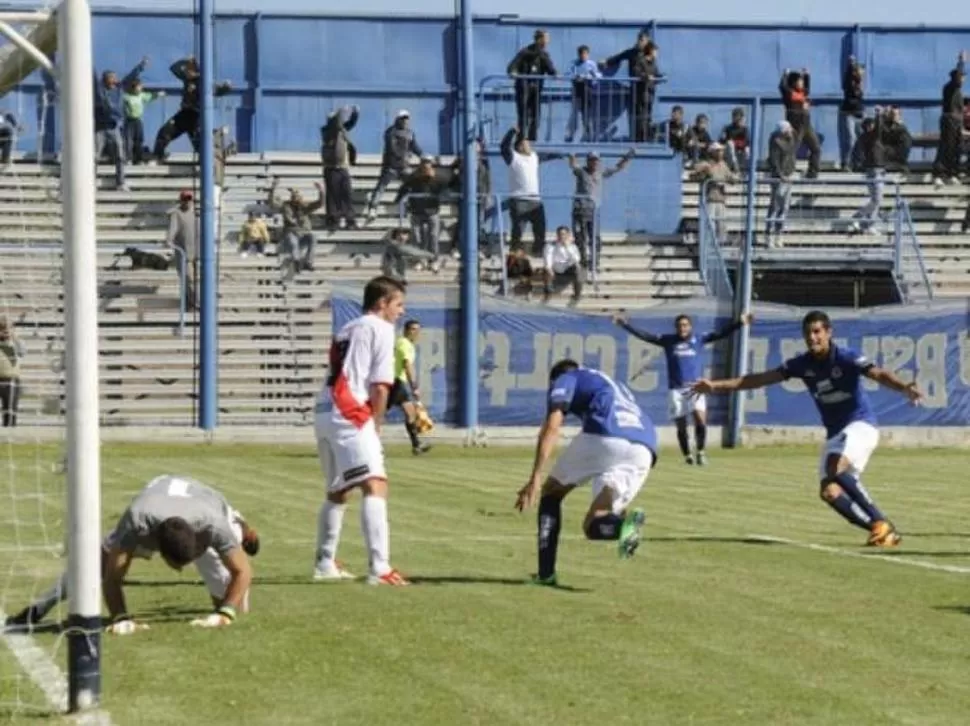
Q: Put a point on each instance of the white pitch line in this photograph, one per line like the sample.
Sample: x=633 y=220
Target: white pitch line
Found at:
x=46 y=675
x=953 y=569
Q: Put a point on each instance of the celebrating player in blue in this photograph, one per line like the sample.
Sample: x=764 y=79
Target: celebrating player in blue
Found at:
x=833 y=376
x=684 y=367
x=616 y=449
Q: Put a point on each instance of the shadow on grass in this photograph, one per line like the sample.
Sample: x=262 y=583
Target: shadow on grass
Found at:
x=919 y=553
x=959 y=609
x=477 y=580
x=713 y=539
x=11 y=714
x=940 y=535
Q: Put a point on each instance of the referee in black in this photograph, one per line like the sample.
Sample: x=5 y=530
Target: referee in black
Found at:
x=532 y=60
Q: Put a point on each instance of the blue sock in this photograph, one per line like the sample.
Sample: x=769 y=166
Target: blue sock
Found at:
x=853 y=487
x=606 y=526
x=851 y=511
x=550 y=522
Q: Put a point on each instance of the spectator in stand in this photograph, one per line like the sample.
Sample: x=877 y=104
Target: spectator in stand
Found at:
x=736 y=142
x=533 y=60
x=897 y=140
x=583 y=74
x=795 y=87
x=642 y=66
x=135 y=98
x=399 y=144
x=188 y=119
x=11 y=351
x=518 y=270
x=851 y=110
x=253 y=236
x=297 y=245
x=525 y=203
x=9 y=128
x=484 y=184
x=399 y=254
x=781 y=169
x=182 y=239
x=698 y=139
x=423 y=190
x=873 y=154
x=109 y=114
x=950 y=147
x=587 y=200
x=562 y=261
x=338 y=154
x=677 y=130
x=714 y=176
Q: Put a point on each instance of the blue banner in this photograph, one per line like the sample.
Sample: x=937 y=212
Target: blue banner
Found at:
x=520 y=342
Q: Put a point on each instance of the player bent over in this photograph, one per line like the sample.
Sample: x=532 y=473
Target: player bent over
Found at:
x=616 y=450
x=683 y=351
x=185 y=522
x=349 y=415
x=833 y=376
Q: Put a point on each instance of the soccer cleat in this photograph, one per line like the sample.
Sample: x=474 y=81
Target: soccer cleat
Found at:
x=883 y=534
x=332 y=573
x=630 y=532
x=391 y=577
x=689 y=460
x=550 y=581
x=701 y=458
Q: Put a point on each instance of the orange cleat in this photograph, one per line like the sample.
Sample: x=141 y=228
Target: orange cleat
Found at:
x=392 y=577
x=883 y=534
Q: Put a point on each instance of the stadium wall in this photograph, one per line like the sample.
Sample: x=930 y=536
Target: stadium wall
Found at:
x=289 y=71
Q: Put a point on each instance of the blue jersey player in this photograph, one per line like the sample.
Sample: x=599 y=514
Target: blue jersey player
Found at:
x=833 y=376
x=616 y=450
x=682 y=351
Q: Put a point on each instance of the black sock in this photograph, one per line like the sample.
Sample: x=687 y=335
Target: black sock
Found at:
x=412 y=433
x=550 y=522
x=682 y=438
x=700 y=435
x=606 y=526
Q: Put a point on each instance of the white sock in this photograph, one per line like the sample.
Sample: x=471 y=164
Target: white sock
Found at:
x=329 y=522
x=377 y=534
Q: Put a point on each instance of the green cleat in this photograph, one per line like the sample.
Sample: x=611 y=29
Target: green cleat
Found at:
x=630 y=533
x=545 y=581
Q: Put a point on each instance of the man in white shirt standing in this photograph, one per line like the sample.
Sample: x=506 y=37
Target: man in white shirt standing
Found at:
x=349 y=416
x=525 y=204
x=562 y=262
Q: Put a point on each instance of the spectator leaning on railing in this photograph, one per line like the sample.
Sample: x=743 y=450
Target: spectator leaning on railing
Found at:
x=583 y=73
x=11 y=351
x=950 y=147
x=109 y=114
x=562 y=261
x=795 y=87
x=736 y=141
x=400 y=144
x=873 y=155
x=183 y=236
x=297 y=244
x=253 y=236
x=642 y=66
x=589 y=196
x=851 y=110
x=781 y=169
x=532 y=60
x=525 y=202
x=714 y=176
x=423 y=190
x=338 y=154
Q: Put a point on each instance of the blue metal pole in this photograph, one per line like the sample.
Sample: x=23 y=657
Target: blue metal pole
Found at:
x=209 y=313
x=745 y=275
x=469 y=225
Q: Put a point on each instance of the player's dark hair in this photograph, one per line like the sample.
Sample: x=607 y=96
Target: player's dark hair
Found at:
x=582 y=49
x=563 y=366
x=562 y=228
x=816 y=316
x=378 y=289
x=681 y=317
x=176 y=541
x=411 y=324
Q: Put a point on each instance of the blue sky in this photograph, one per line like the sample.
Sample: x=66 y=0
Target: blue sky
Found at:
x=868 y=12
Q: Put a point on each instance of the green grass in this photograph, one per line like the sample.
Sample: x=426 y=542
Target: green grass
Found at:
x=703 y=626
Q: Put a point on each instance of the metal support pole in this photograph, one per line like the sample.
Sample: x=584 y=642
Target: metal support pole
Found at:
x=209 y=307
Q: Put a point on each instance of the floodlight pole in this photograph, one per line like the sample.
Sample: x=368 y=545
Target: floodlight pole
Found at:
x=81 y=358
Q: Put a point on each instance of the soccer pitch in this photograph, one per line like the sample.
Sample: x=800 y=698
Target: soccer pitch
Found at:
x=711 y=622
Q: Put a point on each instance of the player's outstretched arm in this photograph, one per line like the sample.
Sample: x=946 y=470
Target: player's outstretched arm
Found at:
x=744 y=383
x=240 y=579
x=636 y=332
x=892 y=381
x=728 y=329
x=546 y=444
x=116 y=563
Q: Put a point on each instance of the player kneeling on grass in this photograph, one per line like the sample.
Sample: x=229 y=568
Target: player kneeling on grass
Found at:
x=616 y=449
x=185 y=522
x=833 y=376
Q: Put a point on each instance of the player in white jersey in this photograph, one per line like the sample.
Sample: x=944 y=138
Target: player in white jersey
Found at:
x=349 y=416
x=186 y=522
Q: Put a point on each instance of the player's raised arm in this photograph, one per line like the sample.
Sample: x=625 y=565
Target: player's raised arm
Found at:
x=636 y=332
x=728 y=329
x=893 y=382
x=744 y=383
x=115 y=567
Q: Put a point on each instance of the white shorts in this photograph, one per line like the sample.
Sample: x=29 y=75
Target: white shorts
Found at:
x=855 y=442
x=615 y=463
x=209 y=565
x=348 y=455
x=682 y=401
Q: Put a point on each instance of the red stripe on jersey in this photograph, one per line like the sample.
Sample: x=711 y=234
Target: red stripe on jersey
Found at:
x=356 y=413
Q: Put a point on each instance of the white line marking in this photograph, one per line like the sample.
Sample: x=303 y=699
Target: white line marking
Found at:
x=849 y=553
x=46 y=675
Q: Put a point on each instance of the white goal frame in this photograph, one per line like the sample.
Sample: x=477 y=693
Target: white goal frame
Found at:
x=70 y=25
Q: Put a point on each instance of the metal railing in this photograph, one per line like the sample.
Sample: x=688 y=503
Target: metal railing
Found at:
x=908 y=261
x=184 y=286
x=713 y=268
x=406 y=219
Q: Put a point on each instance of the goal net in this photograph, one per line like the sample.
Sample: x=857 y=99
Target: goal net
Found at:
x=33 y=495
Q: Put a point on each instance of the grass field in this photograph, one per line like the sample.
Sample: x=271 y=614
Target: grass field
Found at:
x=709 y=624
